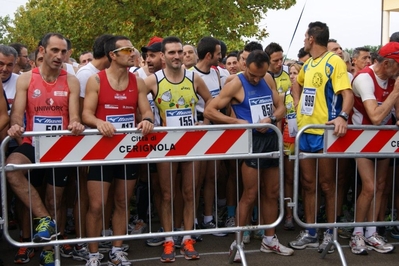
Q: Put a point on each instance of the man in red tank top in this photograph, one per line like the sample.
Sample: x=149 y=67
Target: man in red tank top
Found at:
x=50 y=98
x=112 y=98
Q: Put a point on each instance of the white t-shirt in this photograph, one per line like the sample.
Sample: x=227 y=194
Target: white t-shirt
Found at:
x=83 y=74
x=224 y=73
x=363 y=86
x=10 y=89
x=211 y=80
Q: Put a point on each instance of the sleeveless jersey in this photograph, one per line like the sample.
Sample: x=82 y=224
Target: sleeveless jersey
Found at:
x=257 y=103
x=117 y=107
x=283 y=82
x=47 y=106
x=359 y=116
x=212 y=81
x=176 y=101
x=322 y=79
x=290 y=123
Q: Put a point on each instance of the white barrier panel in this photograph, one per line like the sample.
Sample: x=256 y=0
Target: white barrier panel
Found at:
x=135 y=145
x=363 y=141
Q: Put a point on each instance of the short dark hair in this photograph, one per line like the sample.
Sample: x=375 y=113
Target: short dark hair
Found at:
x=232 y=54
x=273 y=47
x=394 y=37
x=46 y=38
x=320 y=32
x=170 y=39
x=302 y=53
x=252 y=46
x=223 y=48
x=357 y=50
x=18 y=47
x=98 y=46
x=259 y=57
x=206 y=45
x=69 y=44
x=110 y=44
x=8 y=50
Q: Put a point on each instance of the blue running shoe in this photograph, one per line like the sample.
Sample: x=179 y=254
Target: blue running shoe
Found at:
x=47 y=258
x=45 y=230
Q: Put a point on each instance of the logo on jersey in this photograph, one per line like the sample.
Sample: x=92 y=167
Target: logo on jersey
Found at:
x=120 y=119
x=50 y=101
x=111 y=106
x=61 y=93
x=183 y=112
x=47 y=120
x=120 y=96
x=317 y=80
x=263 y=100
x=36 y=93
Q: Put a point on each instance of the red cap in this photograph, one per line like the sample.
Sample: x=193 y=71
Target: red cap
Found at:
x=390 y=50
x=154 y=45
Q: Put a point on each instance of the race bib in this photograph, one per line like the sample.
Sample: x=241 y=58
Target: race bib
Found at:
x=215 y=92
x=261 y=107
x=308 y=101
x=179 y=117
x=47 y=123
x=121 y=121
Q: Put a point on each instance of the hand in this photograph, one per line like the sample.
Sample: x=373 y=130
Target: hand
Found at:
x=340 y=126
x=264 y=121
x=106 y=128
x=145 y=126
x=15 y=131
x=76 y=128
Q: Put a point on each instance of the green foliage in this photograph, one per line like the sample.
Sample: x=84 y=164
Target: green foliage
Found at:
x=4 y=26
x=82 y=21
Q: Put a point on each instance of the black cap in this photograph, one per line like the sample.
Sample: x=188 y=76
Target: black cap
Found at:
x=155 y=45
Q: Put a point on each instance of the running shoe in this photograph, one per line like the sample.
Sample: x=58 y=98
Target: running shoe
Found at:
x=118 y=258
x=106 y=246
x=303 y=240
x=395 y=232
x=81 y=252
x=326 y=240
x=156 y=241
x=24 y=254
x=275 y=247
x=230 y=222
x=47 y=258
x=246 y=237
x=188 y=250
x=258 y=234
x=358 y=245
x=377 y=243
x=93 y=262
x=289 y=223
x=66 y=250
x=168 y=254
x=139 y=227
x=212 y=225
x=45 y=230
x=196 y=237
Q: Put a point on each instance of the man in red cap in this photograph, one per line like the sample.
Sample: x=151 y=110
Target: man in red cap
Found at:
x=376 y=90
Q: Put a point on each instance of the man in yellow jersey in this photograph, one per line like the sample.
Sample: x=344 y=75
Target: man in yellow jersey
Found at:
x=175 y=92
x=326 y=98
x=277 y=69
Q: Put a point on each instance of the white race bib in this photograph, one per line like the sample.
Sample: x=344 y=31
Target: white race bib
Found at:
x=261 y=107
x=179 y=117
x=292 y=125
x=308 y=101
x=121 y=121
x=47 y=123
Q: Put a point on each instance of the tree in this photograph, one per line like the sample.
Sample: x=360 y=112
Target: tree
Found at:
x=4 y=26
x=373 y=49
x=82 y=21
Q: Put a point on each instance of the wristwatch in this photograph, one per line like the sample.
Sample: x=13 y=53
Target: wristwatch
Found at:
x=344 y=115
x=149 y=120
x=273 y=119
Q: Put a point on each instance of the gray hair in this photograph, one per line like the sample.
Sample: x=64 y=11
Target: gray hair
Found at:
x=8 y=51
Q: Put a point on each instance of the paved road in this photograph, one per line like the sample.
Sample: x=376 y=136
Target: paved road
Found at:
x=214 y=251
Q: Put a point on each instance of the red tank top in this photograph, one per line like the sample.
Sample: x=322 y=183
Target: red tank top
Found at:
x=117 y=107
x=47 y=104
x=380 y=96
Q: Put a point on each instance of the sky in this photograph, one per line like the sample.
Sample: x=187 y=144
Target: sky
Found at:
x=352 y=23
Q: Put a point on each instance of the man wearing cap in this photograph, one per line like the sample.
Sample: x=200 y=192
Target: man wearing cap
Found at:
x=376 y=90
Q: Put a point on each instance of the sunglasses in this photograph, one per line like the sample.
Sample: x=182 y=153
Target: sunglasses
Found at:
x=124 y=50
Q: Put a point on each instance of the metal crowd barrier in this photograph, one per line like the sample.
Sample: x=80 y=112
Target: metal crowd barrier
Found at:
x=372 y=142
x=55 y=149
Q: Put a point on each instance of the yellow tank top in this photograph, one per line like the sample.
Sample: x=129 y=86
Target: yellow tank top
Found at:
x=176 y=101
x=283 y=82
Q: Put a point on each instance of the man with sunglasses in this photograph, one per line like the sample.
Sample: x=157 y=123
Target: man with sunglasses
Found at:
x=175 y=88
x=112 y=101
x=376 y=90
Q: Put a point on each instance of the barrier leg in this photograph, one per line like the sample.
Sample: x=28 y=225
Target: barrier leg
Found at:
x=239 y=247
x=57 y=258
x=337 y=245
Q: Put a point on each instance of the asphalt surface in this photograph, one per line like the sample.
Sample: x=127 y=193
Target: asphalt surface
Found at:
x=214 y=251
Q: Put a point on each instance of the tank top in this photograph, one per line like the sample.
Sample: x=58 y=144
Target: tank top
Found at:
x=47 y=106
x=117 y=107
x=257 y=103
x=176 y=101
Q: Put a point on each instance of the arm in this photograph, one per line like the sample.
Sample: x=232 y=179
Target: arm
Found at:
x=145 y=108
x=90 y=106
x=278 y=103
x=377 y=113
x=18 y=108
x=74 y=107
x=230 y=92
